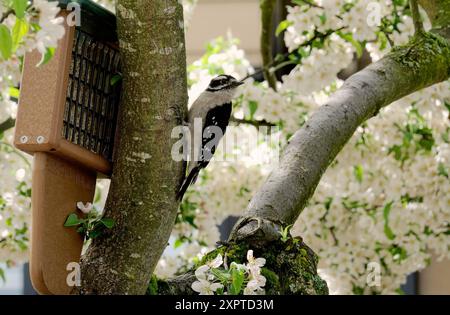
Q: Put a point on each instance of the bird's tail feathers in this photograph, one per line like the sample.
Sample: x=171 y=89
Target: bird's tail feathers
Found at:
x=190 y=179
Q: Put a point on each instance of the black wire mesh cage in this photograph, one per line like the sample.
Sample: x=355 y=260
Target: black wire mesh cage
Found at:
x=77 y=92
x=92 y=100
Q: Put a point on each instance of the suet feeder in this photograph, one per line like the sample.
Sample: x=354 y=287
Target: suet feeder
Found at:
x=67 y=120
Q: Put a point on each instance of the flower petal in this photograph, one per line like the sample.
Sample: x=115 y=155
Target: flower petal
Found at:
x=197 y=286
x=250 y=255
x=260 y=262
x=216 y=262
x=252 y=285
x=200 y=272
x=248 y=291
x=85 y=208
x=215 y=286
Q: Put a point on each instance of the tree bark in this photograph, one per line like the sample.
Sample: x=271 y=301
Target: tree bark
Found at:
x=145 y=178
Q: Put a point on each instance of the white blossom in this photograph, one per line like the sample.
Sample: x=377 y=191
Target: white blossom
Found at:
x=205 y=287
x=85 y=207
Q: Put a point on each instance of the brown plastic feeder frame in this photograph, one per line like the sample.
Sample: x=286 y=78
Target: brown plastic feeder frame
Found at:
x=66 y=119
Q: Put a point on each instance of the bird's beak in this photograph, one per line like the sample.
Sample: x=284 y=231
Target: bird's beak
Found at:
x=237 y=83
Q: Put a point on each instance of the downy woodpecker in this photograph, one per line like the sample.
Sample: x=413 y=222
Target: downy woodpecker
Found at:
x=213 y=109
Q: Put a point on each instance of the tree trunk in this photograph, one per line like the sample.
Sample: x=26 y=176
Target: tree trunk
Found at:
x=145 y=177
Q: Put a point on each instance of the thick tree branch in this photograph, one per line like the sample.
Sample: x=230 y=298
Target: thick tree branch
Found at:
x=267 y=8
x=145 y=178
x=421 y=63
x=7 y=124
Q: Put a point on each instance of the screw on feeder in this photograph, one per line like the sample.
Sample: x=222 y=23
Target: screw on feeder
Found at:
x=23 y=139
x=40 y=139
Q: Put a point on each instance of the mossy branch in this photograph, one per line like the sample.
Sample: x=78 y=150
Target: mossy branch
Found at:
x=291 y=268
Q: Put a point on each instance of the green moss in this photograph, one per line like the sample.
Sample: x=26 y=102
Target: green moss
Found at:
x=153 y=286
x=291 y=267
x=427 y=52
x=272 y=281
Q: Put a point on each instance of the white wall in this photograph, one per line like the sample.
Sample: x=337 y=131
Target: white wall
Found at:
x=435 y=279
x=213 y=18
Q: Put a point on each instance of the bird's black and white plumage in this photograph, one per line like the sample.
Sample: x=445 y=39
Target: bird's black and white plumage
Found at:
x=213 y=108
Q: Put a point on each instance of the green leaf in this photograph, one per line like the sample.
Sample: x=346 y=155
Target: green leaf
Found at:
x=442 y=170
x=358 y=171
x=94 y=234
x=387 y=230
x=19 y=7
x=19 y=30
x=108 y=222
x=447 y=105
x=47 y=56
x=115 y=78
x=5 y=42
x=80 y=230
x=382 y=39
x=237 y=279
x=282 y=26
x=72 y=220
x=349 y=38
x=178 y=243
x=253 y=106
x=14 y=92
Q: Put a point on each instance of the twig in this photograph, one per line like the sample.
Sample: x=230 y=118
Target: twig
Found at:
x=391 y=43
x=418 y=25
x=7 y=124
x=274 y=63
x=336 y=242
x=266 y=40
x=6 y=14
x=10 y=11
x=312 y=4
x=256 y=123
x=16 y=152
